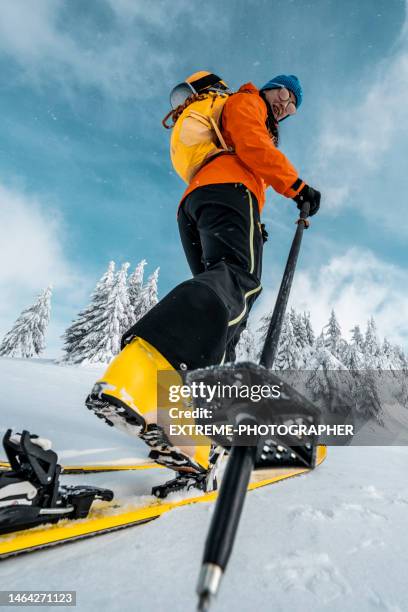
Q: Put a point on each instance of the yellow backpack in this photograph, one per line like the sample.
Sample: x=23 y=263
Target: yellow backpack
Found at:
x=196 y=114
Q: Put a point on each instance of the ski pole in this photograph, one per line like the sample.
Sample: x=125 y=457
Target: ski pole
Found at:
x=271 y=343
x=224 y=524
x=228 y=508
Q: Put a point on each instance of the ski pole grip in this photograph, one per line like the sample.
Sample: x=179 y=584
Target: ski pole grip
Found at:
x=304 y=214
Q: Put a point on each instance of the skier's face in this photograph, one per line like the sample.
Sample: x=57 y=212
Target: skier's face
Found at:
x=282 y=101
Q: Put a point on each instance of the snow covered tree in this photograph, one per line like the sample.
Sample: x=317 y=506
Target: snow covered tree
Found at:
x=352 y=357
x=299 y=328
x=332 y=335
x=303 y=336
x=322 y=358
x=262 y=331
x=90 y=320
x=152 y=291
x=119 y=309
x=320 y=341
x=400 y=357
x=390 y=357
x=135 y=286
x=387 y=349
x=309 y=329
x=371 y=344
x=149 y=296
x=27 y=336
x=246 y=347
x=353 y=352
x=357 y=339
x=101 y=344
x=288 y=352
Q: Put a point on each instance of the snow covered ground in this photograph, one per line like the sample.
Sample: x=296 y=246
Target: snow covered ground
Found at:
x=334 y=540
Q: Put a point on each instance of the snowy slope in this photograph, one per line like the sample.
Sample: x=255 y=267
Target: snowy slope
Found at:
x=48 y=399
x=335 y=539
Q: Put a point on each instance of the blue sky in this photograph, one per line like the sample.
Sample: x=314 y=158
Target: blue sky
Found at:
x=85 y=175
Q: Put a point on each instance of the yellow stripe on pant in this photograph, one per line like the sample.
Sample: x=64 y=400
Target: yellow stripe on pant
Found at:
x=252 y=265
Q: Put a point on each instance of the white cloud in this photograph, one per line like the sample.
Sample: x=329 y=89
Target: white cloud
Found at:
x=357 y=285
x=362 y=145
x=31 y=33
x=114 y=58
x=31 y=254
x=30 y=248
x=156 y=14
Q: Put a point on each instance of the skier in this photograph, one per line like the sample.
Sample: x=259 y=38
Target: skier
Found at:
x=199 y=322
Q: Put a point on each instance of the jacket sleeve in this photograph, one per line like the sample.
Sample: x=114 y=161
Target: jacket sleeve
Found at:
x=245 y=123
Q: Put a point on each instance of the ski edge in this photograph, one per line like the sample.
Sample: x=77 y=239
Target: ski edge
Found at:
x=96 y=468
x=73 y=538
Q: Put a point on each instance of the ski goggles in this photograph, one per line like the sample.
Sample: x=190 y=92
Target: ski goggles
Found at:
x=284 y=96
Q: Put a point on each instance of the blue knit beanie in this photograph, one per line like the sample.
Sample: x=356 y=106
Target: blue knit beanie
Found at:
x=290 y=81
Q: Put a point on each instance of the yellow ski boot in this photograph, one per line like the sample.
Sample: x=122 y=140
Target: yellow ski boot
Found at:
x=126 y=397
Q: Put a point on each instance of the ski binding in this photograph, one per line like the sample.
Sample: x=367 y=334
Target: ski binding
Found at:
x=30 y=493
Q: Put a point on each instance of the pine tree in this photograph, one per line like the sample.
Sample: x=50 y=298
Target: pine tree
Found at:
x=371 y=344
x=149 y=294
x=135 y=290
x=246 y=348
x=101 y=344
x=391 y=357
x=320 y=341
x=310 y=335
x=299 y=328
x=332 y=335
x=357 y=339
x=262 y=330
x=400 y=357
x=90 y=320
x=27 y=336
x=288 y=353
x=387 y=349
x=353 y=357
x=352 y=353
x=119 y=308
x=322 y=358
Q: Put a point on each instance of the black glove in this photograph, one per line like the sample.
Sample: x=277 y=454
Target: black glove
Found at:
x=308 y=194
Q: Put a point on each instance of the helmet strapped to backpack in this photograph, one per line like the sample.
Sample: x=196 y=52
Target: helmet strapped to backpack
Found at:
x=197 y=105
x=198 y=83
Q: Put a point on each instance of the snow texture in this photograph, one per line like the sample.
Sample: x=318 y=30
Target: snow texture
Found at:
x=332 y=540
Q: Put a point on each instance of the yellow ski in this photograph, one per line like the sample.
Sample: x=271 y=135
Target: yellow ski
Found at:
x=106 y=517
x=98 y=467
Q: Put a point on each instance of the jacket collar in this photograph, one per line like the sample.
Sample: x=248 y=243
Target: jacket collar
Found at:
x=248 y=88
x=271 y=122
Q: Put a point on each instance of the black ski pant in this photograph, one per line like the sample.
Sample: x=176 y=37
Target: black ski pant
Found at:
x=199 y=322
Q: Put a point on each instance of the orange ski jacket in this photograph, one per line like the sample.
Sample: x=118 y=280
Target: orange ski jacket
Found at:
x=255 y=161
